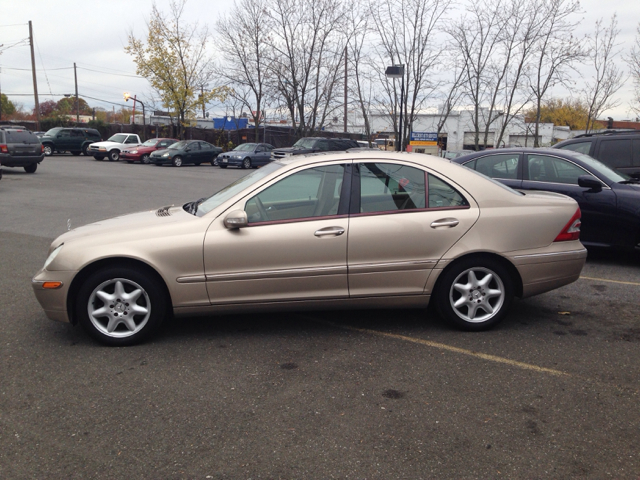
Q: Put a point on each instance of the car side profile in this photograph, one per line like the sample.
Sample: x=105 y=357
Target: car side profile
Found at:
x=361 y=229
x=194 y=152
x=74 y=140
x=609 y=200
x=246 y=155
x=142 y=152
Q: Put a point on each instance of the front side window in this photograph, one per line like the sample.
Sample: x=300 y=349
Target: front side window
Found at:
x=386 y=187
x=580 y=147
x=542 y=168
x=310 y=193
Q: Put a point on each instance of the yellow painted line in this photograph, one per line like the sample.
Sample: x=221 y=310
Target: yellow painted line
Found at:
x=611 y=281
x=449 y=348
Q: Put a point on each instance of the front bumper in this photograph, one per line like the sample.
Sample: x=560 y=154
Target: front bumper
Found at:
x=135 y=157
x=160 y=160
x=229 y=161
x=53 y=300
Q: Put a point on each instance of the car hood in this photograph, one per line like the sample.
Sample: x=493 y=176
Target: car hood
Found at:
x=142 y=149
x=159 y=153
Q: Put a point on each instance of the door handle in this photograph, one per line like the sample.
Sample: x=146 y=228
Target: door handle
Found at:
x=445 y=222
x=324 y=232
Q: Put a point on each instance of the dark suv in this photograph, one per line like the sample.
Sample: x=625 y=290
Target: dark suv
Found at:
x=74 y=140
x=20 y=148
x=313 y=145
x=619 y=150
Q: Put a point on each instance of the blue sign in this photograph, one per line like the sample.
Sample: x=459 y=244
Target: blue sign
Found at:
x=424 y=136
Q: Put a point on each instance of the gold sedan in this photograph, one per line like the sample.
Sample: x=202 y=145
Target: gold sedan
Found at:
x=357 y=229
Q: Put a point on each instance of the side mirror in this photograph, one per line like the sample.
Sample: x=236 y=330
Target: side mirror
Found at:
x=236 y=219
x=587 y=181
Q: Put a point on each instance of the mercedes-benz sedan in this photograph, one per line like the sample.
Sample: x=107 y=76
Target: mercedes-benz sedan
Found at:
x=357 y=229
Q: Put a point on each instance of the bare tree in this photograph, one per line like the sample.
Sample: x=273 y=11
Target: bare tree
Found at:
x=633 y=60
x=243 y=40
x=607 y=80
x=406 y=31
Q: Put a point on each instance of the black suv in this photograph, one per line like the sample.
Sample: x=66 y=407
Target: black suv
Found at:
x=74 y=140
x=618 y=150
x=313 y=145
x=20 y=148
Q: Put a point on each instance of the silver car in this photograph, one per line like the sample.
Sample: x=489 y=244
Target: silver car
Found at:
x=363 y=229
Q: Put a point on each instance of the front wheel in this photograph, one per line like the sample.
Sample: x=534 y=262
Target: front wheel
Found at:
x=114 y=155
x=48 y=150
x=145 y=159
x=120 y=306
x=177 y=161
x=31 y=168
x=475 y=293
x=246 y=163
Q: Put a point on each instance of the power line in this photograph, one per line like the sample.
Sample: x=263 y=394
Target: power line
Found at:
x=110 y=73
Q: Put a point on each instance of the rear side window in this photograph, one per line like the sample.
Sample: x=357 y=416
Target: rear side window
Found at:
x=615 y=153
x=581 y=147
x=387 y=187
x=21 y=136
x=498 y=166
x=443 y=195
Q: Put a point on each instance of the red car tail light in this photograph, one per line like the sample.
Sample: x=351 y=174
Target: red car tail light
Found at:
x=4 y=149
x=41 y=148
x=571 y=230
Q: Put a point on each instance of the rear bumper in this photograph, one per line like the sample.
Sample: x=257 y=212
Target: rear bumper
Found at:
x=22 y=161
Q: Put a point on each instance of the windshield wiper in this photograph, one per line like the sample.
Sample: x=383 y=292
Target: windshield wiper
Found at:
x=192 y=207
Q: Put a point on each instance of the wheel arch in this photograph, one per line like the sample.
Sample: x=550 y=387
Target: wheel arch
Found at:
x=123 y=262
x=510 y=267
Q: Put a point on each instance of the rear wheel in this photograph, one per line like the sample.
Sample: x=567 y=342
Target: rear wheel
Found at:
x=114 y=155
x=31 y=168
x=120 y=306
x=84 y=150
x=475 y=293
x=177 y=161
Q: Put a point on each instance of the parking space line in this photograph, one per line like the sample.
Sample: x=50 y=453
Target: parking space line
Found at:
x=610 y=281
x=442 y=346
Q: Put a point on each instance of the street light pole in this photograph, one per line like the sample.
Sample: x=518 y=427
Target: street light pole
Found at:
x=397 y=71
x=128 y=97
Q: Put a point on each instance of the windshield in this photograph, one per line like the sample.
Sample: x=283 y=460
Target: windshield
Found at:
x=149 y=143
x=178 y=145
x=245 y=147
x=118 y=138
x=53 y=132
x=305 y=143
x=604 y=171
x=236 y=187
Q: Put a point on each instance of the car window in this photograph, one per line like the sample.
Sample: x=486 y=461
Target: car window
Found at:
x=542 y=168
x=310 y=193
x=615 y=153
x=581 y=147
x=260 y=150
x=21 y=136
x=205 y=146
x=194 y=146
x=64 y=133
x=132 y=139
x=636 y=153
x=498 y=166
x=77 y=133
x=386 y=187
x=443 y=195
x=322 y=145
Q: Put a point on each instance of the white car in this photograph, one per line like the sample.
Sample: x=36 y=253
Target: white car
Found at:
x=112 y=147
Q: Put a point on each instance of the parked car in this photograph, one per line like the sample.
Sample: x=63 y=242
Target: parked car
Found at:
x=20 y=148
x=74 y=140
x=618 y=150
x=112 y=147
x=247 y=155
x=362 y=229
x=313 y=145
x=608 y=199
x=184 y=152
x=141 y=153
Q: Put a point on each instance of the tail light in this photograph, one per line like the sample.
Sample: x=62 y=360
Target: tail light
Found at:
x=4 y=149
x=571 y=230
x=41 y=148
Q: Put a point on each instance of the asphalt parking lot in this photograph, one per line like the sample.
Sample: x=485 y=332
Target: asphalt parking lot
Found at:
x=551 y=393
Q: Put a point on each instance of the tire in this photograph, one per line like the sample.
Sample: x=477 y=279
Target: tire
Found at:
x=120 y=306
x=75 y=153
x=144 y=159
x=177 y=161
x=214 y=161
x=114 y=155
x=84 y=150
x=98 y=157
x=222 y=166
x=31 y=168
x=474 y=293
x=246 y=163
x=48 y=149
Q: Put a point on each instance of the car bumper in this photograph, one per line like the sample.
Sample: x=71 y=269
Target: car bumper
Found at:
x=23 y=161
x=160 y=160
x=229 y=161
x=132 y=157
x=53 y=300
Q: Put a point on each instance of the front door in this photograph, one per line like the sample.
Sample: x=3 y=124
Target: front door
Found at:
x=403 y=220
x=294 y=248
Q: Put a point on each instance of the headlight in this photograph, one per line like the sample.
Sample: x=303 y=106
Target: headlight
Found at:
x=52 y=256
x=133 y=151
x=166 y=154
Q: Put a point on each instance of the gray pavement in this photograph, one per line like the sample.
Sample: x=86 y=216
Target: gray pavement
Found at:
x=551 y=393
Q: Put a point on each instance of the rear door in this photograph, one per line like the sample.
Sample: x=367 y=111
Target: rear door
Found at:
x=403 y=220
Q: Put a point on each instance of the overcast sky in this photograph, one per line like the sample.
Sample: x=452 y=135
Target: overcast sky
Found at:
x=93 y=35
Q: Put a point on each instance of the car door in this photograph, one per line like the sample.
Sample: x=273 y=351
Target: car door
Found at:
x=260 y=156
x=206 y=152
x=192 y=153
x=403 y=220
x=63 y=140
x=294 y=247
x=504 y=167
x=600 y=220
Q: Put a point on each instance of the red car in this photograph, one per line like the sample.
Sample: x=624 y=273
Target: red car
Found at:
x=141 y=152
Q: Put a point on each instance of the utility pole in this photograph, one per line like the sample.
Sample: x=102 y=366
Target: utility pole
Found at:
x=35 y=82
x=202 y=96
x=75 y=76
x=345 y=89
